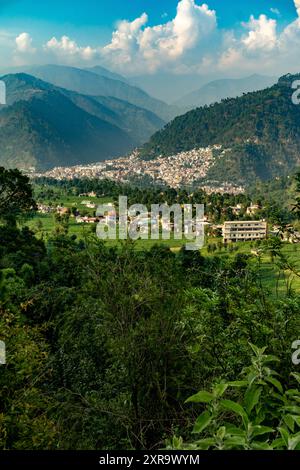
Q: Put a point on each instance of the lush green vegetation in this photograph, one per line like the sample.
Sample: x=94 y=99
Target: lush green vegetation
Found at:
x=105 y=344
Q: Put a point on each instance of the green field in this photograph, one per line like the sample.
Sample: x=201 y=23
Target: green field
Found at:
x=272 y=277
x=277 y=281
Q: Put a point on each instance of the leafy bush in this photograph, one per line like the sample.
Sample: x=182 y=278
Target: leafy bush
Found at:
x=260 y=413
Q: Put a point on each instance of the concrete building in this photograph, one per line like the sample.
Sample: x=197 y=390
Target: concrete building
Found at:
x=248 y=230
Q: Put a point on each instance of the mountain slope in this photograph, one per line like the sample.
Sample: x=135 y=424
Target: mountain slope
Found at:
x=89 y=83
x=219 y=90
x=103 y=72
x=139 y=123
x=41 y=127
x=260 y=133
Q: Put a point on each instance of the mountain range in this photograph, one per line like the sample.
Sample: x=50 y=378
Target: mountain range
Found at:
x=90 y=82
x=258 y=135
x=63 y=116
x=44 y=125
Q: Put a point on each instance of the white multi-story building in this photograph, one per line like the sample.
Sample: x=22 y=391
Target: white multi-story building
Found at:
x=248 y=230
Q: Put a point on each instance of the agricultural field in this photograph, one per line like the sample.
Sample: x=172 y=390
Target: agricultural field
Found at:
x=272 y=277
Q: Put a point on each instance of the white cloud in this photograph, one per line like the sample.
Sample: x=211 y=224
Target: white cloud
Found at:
x=262 y=34
x=24 y=44
x=67 y=48
x=140 y=46
x=297 y=5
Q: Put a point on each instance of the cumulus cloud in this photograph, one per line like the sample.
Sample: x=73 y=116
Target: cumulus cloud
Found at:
x=67 y=48
x=262 y=34
x=24 y=44
x=138 y=45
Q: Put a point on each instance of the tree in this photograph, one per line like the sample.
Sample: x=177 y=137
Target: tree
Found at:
x=16 y=195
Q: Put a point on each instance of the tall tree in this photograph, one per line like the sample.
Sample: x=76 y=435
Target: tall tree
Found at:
x=16 y=195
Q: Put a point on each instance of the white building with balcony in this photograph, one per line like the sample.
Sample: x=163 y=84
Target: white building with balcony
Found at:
x=241 y=231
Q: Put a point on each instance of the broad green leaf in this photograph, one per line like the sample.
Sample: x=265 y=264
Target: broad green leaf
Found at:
x=238 y=383
x=201 y=397
x=260 y=430
x=275 y=383
x=235 y=431
x=261 y=446
x=202 y=422
x=257 y=351
x=219 y=390
x=278 y=443
x=296 y=419
x=270 y=358
x=294 y=441
x=177 y=442
x=290 y=422
x=252 y=396
x=236 y=408
x=293 y=393
x=235 y=441
x=285 y=435
x=205 y=444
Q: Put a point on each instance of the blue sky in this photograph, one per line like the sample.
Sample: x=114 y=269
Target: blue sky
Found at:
x=103 y=14
x=176 y=36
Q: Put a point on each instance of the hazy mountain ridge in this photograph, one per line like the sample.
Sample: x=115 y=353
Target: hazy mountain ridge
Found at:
x=90 y=83
x=218 y=90
x=103 y=72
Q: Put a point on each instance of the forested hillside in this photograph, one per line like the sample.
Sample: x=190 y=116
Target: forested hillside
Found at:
x=261 y=132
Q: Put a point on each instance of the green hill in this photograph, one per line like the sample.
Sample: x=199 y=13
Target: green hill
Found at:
x=137 y=122
x=42 y=127
x=260 y=132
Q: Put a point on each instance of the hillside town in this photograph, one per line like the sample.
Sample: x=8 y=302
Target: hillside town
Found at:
x=185 y=169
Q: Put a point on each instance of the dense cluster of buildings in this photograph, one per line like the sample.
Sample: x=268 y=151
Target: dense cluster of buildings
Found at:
x=184 y=169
